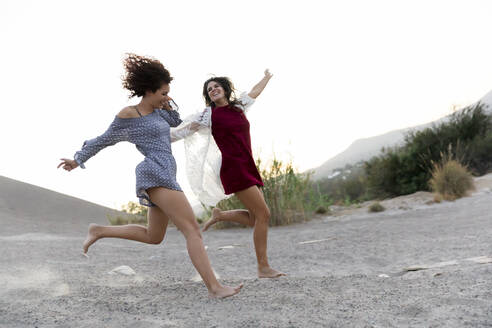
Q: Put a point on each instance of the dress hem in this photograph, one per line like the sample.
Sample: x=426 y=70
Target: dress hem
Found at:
x=260 y=185
x=144 y=199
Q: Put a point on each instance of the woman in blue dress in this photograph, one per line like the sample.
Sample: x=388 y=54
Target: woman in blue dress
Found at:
x=147 y=125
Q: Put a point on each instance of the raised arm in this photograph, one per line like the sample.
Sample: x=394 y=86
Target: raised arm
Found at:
x=258 y=88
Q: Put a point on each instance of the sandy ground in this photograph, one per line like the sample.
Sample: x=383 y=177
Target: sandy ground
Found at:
x=414 y=265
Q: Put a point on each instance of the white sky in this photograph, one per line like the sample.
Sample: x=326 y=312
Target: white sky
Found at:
x=343 y=70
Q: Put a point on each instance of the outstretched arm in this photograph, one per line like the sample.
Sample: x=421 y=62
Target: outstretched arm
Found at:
x=184 y=130
x=115 y=133
x=191 y=124
x=258 y=88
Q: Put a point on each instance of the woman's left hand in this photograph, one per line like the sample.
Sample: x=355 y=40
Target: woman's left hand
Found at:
x=68 y=164
x=268 y=74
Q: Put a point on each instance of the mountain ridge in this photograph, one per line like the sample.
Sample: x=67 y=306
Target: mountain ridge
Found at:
x=365 y=148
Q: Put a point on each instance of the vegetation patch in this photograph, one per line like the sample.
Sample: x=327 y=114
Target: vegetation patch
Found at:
x=376 y=207
x=289 y=195
x=322 y=210
x=407 y=169
x=450 y=179
x=136 y=214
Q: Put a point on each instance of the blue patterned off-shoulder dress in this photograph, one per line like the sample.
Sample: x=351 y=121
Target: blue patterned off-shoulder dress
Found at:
x=151 y=135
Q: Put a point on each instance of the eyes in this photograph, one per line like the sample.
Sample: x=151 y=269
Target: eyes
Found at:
x=215 y=86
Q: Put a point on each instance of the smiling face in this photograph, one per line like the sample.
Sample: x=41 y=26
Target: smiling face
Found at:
x=216 y=92
x=160 y=98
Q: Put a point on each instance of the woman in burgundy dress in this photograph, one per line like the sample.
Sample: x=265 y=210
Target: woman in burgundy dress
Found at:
x=225 y=117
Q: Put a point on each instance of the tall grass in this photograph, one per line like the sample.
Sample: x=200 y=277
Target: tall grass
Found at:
x=450 y=179
x=287 y=193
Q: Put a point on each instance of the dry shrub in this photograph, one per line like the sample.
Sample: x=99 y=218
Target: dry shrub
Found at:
x=322 y=210
x=437 y=198
x=376 y=207
x=450 y=179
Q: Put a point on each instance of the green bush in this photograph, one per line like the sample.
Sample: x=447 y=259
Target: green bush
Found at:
x=479 y=154
x=348 y=187
x=407 y=169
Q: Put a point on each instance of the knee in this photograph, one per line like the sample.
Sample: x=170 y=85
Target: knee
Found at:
x=156 y=240
x=263 y=215
x=193 y=231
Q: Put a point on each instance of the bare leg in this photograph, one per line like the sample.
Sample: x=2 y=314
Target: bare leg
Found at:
x=152 y=234
x=239 y=216
x=177 y=208
x=253 y=200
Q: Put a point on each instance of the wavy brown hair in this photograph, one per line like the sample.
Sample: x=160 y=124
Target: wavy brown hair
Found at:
x=144 y=74
x=228 y=87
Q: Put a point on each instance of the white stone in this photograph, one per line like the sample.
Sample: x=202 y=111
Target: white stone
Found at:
x=124 y=270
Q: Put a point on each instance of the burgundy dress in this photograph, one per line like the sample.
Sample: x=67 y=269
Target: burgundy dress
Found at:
x=230 y=129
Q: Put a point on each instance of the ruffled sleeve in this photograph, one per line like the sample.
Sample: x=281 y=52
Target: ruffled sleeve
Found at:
x=245 y=102
x=171 y=116
x=192 y=124
x=116 y=132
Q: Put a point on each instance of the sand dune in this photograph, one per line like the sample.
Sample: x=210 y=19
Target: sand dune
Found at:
x=27 y=208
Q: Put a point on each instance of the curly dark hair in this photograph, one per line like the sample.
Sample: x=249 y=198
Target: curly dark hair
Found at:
x=228 y=87
x=144 y=74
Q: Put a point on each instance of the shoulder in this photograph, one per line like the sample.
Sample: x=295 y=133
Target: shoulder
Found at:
x=246 y=98
x=244 y=101
x=127 y=112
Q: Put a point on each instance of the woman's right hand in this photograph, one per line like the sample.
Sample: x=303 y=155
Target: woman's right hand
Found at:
x=68 y=164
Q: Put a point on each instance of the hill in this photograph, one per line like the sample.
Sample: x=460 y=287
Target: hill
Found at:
x=364 y=149
x=32 y=208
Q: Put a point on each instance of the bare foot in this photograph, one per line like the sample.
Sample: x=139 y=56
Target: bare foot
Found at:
x=92 y=236
x=225 y=291
x=269 y=273
x=214 y=219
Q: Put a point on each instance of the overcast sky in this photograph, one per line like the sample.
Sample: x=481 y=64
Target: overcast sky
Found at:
x=343 y=70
